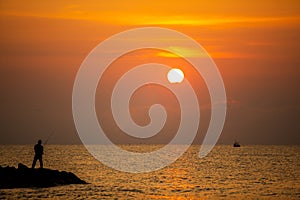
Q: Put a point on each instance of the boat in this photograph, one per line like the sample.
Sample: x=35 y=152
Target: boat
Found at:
x=236 y=144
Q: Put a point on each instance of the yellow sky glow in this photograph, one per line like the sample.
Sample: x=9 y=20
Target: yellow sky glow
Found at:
x=202 y=21
x=163 y=13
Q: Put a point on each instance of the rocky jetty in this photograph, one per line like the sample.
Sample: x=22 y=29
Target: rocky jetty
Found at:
x=24 y=177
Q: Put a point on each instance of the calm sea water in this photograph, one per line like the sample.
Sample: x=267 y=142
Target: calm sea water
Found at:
x=249 y=172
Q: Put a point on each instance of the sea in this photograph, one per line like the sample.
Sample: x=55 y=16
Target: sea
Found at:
x=247 y=172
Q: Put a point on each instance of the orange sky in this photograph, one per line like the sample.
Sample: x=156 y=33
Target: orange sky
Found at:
x=255 y=45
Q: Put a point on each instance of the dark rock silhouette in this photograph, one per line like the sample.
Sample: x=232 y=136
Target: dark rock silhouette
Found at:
x=24 y=177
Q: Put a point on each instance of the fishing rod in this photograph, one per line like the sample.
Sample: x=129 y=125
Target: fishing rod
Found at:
x=45 y=143
x=49 y=136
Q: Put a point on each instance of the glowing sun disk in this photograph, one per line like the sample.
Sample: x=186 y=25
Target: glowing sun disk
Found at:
x=175 y=75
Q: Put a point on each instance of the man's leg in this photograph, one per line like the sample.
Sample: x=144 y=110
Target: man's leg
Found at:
x=34 y=162
x=41 y=162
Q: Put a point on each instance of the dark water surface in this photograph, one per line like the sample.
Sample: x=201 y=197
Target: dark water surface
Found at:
x=249 y=172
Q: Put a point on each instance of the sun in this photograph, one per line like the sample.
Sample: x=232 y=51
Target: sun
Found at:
x=175 y=75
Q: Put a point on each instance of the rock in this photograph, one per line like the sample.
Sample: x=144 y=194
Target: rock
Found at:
x=22 y=167
x=24 y=177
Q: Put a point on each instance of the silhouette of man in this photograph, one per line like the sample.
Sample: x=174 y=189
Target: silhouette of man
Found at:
x=39 y=151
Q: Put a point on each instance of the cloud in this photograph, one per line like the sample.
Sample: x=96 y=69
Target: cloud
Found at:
x=194 y=13
x=185 y=52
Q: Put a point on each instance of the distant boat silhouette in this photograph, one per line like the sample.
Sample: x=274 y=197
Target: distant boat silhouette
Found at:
x=236 y=144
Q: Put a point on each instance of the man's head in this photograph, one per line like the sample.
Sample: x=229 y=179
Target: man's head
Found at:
x=40 y=142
